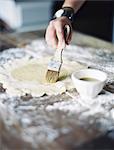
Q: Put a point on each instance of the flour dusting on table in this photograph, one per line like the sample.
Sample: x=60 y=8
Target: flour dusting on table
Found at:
x=40 y=119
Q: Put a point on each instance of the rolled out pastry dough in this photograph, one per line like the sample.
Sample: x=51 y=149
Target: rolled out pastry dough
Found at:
x=28 y=76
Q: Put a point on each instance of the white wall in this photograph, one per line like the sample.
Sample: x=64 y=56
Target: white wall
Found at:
x=35 y=15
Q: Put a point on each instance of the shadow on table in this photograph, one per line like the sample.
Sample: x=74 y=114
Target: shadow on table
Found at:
x=105 y=142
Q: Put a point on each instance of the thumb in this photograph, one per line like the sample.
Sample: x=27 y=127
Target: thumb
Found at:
x=68 y=34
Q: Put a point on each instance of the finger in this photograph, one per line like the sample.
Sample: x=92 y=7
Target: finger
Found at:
x=53 y=39
x=51 y=36
x=60 y=35
x=67 y=33
x=69 y=37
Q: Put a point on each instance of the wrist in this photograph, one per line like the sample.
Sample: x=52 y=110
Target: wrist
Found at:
x=65 y=11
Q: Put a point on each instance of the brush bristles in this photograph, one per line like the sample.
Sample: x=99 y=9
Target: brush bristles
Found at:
x=52 y=76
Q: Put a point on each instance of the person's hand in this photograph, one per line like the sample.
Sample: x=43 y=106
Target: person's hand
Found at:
x=55 y=33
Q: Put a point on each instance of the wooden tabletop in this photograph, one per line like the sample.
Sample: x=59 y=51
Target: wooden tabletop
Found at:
x=20 y=39
x=70 y=134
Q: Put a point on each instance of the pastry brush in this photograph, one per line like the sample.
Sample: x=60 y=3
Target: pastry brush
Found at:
x=55 y=64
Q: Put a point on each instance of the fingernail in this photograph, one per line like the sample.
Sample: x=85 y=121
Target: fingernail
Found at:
x=63 y=45
x=54 y=46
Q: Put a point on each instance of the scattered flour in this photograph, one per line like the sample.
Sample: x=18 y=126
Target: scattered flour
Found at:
x=37 y=126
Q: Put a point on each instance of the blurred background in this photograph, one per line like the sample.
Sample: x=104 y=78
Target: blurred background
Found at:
x=95 y=18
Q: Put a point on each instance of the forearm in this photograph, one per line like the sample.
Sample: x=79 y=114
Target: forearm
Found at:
x=75 y=4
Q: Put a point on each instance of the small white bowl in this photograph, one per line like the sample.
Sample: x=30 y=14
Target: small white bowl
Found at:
x=89 y=89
